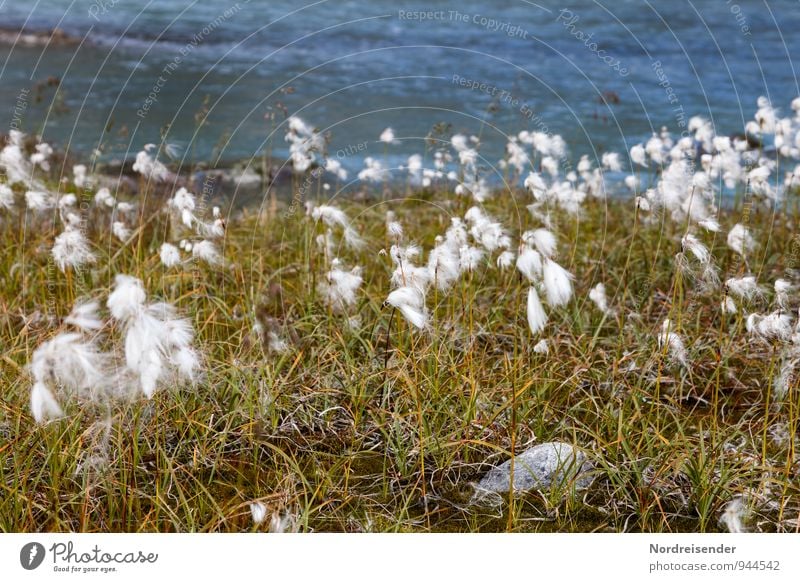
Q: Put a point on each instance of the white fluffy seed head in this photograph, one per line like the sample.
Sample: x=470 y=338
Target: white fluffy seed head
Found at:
x=743 y=287
x=120 y=230
x=71 y=249
x=782 y=290
x=529 y=263
x=544 y=241
x=85 y=316
x=692 y=244
x=206 y=251
x=44 y=405
x=394 y=230
x=598 y=296
x=776 y=325
x=739 y=240
x=387 y=136
x=444 y=266
x=158 y=348
x=6 y=197
x=537 y=318
x=673 y=343
x=411 y=303
x=104 y=198
x=470 y=258
x=169 y=255
x=733 y=515
x=127 y=299
x=69 y=363
x=505 y=260
x=339 y=288
x=728 y=305
x=557 y=283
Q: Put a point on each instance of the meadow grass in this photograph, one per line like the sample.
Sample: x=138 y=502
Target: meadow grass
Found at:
x=378 y=427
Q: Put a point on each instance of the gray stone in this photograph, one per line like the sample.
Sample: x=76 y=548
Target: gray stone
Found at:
x=541 y=467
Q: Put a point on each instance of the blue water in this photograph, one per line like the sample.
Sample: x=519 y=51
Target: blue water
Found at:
x=353 y=68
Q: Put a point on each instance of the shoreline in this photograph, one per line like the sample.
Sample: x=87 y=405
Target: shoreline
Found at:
x=39 y=37
x=243 y=180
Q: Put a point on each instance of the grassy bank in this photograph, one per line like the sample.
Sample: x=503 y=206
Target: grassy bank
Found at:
x=371 y=425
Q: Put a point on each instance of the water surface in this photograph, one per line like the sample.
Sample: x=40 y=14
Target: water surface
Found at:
x=603 y=74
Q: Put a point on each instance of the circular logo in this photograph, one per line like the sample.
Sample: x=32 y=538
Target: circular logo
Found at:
x=31 y=555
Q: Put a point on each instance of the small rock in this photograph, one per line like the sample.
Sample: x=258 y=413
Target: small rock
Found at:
x=245 y=178
x=539 y=468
